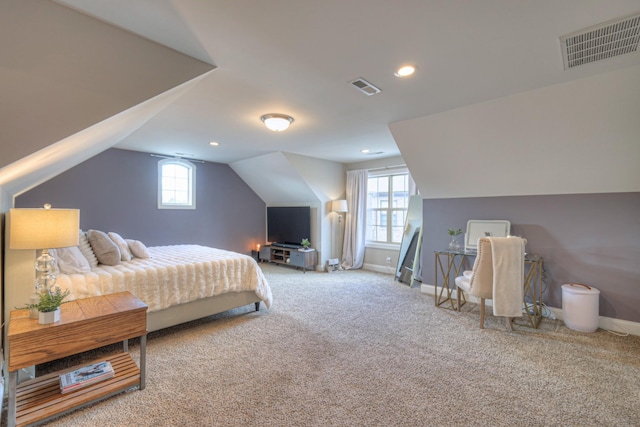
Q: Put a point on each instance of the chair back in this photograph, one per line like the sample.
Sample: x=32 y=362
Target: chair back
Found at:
x=481 y=284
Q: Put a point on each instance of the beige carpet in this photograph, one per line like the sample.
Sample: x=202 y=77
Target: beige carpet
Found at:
x=354 y=348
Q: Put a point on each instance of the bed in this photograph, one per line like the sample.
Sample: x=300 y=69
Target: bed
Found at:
x=179 y=283
x=179 y=277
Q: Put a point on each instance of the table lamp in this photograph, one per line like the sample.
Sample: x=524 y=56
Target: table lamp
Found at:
x=43 y=229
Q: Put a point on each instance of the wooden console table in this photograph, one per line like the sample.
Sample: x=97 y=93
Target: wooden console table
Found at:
x=85 y=324
x=452 y=267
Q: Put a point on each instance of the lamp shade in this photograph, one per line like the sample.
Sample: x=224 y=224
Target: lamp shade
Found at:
x=339 y=206
x=43 y=228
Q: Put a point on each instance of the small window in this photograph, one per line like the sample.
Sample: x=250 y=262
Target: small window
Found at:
x=176 y=184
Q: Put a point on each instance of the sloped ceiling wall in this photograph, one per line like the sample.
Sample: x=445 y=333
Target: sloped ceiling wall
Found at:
x=280 y=178
x=576 y=137
x=55 y=83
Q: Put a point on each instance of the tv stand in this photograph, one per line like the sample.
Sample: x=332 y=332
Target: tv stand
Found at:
x=305 y=259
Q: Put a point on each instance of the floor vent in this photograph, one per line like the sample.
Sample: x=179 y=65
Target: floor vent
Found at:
x=365 y=87
x=613 y=38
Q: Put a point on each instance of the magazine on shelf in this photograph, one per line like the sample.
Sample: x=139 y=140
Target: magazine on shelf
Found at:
x=85 y=376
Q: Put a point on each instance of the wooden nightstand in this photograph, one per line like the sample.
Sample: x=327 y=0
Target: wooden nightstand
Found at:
x=84 y=325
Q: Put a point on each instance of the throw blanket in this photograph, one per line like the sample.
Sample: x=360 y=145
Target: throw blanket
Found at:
x=173 y=275
x=508 y=274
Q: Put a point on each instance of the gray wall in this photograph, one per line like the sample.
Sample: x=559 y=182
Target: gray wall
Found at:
x=117 y=191
x=584 y=238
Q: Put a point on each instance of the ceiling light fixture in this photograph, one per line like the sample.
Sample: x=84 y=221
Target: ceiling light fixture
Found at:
x=406 y=71
x=277 y=122
x=214 y=144
x=365 y=150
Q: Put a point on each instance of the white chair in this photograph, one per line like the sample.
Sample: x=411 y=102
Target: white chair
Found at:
x=482 y=281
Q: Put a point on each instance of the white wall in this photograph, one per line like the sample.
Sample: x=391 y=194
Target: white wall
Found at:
x=577 y=137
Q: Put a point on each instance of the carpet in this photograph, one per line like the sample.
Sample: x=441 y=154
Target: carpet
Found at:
x=355 y=348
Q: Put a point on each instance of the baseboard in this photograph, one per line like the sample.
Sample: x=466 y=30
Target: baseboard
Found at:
x=378 y=268
x=606 y=323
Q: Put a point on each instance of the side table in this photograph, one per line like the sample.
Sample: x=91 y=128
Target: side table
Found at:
x=531 y=282
x=85 y=324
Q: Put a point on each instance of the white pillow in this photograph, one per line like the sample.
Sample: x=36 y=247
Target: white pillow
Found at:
x=125 y=253
x=106 y=251
x=70 y=260
x=138 y=249
x=85 y=248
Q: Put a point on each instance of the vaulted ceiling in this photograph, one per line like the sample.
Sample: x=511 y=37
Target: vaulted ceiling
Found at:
x=298 y=57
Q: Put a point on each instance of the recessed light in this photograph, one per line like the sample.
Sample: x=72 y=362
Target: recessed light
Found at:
x=365 y=150
x=214 y=144
x=405 y=71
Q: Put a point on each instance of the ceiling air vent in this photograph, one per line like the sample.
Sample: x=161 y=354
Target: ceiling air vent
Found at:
x=613 y=38
x=365 y=87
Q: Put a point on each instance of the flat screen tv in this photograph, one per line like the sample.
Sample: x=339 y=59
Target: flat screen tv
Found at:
x=288 y=224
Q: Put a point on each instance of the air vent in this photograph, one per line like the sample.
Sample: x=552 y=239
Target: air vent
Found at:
x=609 y=39
x=365 y=87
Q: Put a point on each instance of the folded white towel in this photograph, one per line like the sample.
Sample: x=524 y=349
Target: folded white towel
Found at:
x=508 y=275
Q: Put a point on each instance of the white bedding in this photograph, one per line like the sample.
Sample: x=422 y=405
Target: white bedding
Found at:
x=173 y=275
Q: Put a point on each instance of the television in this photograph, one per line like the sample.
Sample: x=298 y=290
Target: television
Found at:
x=288 y=225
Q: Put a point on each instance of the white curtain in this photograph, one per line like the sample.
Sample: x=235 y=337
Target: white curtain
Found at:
x=413 y=189
x=356 y=220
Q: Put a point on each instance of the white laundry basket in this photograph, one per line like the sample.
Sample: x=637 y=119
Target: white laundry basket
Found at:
x=580 y=307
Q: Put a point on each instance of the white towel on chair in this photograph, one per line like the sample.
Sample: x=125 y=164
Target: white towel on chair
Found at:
x=508 y=275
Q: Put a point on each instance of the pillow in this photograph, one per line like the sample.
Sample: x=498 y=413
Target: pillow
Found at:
x=125 y=253
x=85 y=248
x=106 y=251
x=138 y=249
x=70 y=260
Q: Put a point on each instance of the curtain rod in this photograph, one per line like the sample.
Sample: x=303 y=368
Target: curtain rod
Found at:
x=177 y=157
x=389 y=167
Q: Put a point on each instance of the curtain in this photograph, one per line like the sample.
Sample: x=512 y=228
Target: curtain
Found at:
x=356 y=219
x=413 y=189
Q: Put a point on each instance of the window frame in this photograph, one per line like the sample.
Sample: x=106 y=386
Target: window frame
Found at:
x=389 y=173
x=191 y=170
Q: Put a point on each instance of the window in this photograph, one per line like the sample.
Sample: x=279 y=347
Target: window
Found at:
x=387 y=202
x=176 y=184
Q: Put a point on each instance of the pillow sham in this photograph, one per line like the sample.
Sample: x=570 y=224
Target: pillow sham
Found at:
x=106 y=251
x=70 y=260
x=85 y=248
x=138 y=249
x=125 y=253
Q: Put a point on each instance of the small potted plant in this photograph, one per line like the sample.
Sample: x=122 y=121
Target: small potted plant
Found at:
x=49 y=303
x=453 y=244
x=305 y=243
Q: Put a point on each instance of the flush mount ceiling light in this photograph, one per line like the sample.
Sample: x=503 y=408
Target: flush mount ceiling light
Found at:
x=214 y=143
x=277 y=122
x=405 y=71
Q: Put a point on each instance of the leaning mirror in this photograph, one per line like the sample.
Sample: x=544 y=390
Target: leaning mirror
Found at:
x=408 y=268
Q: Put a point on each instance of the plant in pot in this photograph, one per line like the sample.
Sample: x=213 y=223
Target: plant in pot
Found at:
x=453 y=244
x=48 y=305
x=305 y=243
